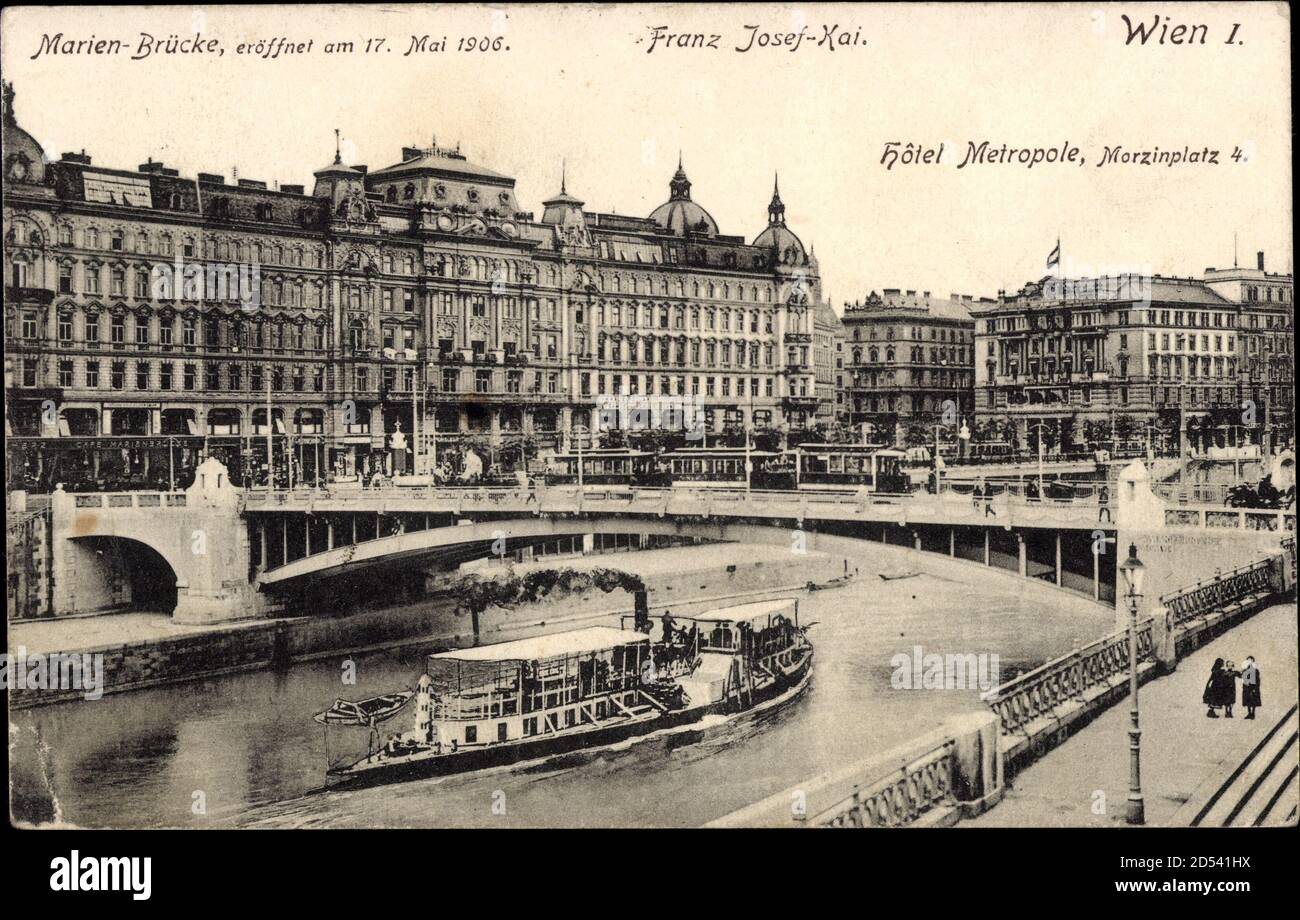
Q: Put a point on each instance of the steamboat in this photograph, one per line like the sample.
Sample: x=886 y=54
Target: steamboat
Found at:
x=488 y=706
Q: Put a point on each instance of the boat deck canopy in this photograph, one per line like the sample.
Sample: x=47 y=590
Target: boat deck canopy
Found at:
x=574 y=642
x=741 y=613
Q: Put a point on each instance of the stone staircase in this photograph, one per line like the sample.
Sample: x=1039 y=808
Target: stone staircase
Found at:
x=1257 y=787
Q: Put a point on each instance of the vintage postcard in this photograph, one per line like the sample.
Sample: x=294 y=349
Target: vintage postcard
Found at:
x=650 y=416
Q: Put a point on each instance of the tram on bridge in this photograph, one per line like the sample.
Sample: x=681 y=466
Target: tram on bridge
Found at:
x=850 y=467
x=606 y=466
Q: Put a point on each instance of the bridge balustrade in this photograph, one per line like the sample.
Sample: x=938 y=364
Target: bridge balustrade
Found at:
x=1227 y=593
x=1039 y=692
x=900 y=797
x=129 y=499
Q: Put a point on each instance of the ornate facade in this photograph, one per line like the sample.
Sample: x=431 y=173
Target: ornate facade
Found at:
x=906 y=358
x=416 y=303
x=1136 y=358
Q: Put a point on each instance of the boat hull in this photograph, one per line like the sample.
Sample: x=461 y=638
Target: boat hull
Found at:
x=377 y=770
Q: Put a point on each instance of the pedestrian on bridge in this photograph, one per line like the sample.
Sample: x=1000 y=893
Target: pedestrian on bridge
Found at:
x=1250 y=697
x=1103 y=504
x=1220 y=690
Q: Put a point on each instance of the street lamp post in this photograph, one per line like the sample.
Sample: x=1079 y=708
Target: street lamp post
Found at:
x=1039 y=427
x=938 y=461
x=581 y=432
x=1133 y=572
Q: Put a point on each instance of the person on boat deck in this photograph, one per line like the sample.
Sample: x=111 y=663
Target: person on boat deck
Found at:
x=668 y=626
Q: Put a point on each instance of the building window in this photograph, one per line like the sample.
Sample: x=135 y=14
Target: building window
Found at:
x=65 y=374
x=92 y=374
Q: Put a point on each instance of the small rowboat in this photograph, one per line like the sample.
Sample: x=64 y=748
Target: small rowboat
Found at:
x=895 y=576
x=365 y=712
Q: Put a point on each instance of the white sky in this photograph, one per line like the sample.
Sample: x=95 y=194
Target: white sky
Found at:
x=578 y=85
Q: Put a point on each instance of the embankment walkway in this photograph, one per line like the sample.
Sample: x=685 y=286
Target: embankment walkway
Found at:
x=1084 y=782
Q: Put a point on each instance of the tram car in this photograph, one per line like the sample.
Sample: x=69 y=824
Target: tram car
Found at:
x=724 y=468
x=850 y=467
x=607 y=466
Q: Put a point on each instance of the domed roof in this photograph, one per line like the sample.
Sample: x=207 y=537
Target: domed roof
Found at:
x=778 y=237
x=781 y=238
x=679 y=213
x=24 y=160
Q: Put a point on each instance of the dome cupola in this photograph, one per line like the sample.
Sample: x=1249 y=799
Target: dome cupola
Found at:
x=679 y=213
x=786 y=246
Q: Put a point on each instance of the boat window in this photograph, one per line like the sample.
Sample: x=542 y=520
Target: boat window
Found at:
x=569 y=718
x=501 y=731
x=471 y=734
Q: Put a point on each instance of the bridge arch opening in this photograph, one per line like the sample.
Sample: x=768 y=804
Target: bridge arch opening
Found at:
x=126 y=575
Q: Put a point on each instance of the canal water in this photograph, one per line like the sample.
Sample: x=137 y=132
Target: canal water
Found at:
x=243 y=751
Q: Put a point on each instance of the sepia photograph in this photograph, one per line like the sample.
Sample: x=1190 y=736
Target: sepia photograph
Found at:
x=649 y=416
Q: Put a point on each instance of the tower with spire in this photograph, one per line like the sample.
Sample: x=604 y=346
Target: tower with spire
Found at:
x=564 y=211
x=776 y=209
x=679 y=188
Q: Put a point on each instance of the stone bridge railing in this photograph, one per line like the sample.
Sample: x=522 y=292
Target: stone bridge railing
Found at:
x=901 y=796
x=951 y=772
x=129 y=499
x=1217 y=516
x=1071 y=679
x=1226 y=593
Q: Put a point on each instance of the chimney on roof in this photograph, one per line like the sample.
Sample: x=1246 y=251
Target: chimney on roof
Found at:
x=74 y=157
x=212 y=178
x=411 y=153
x=291 y=189
x=251 y=183
x=1259 y=256
x=150 y=167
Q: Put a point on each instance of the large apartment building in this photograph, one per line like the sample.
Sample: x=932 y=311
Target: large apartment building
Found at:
x=1140 y=358
x=908 y=360
x=374 y=319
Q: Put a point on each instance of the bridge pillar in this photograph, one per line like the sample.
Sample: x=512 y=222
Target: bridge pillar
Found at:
x=329 y=533
x=215 y=586
x=1058 y=559
x=952 y=542
x=261 y=540
x=1022 y=552
x=988 y=553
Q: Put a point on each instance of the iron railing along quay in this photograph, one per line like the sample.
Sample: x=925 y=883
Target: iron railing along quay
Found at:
x=1242 y=586
x=899 y=797
x=1037 y=693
